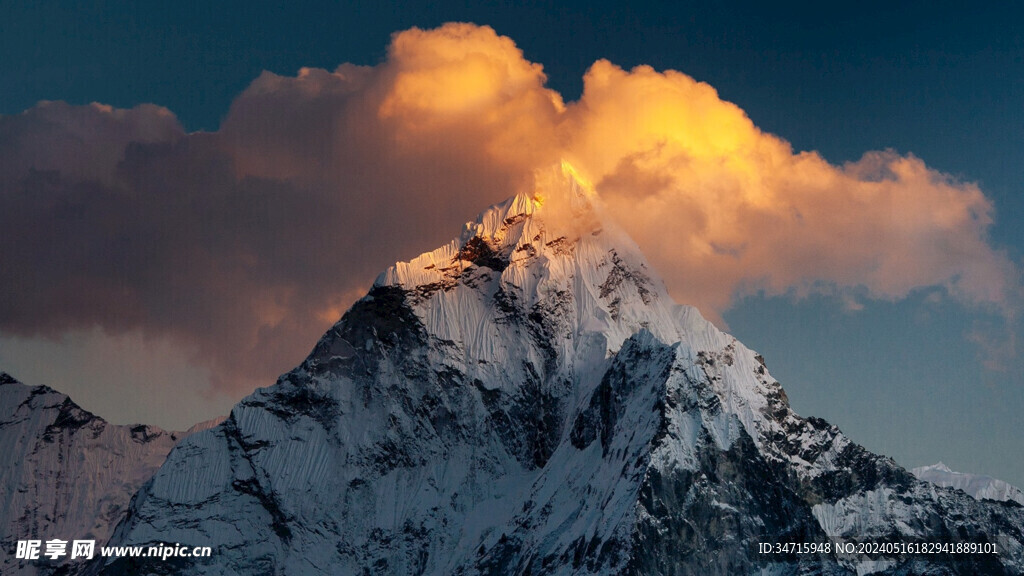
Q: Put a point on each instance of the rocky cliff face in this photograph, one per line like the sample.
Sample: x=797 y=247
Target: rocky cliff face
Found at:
x=529 y=400
x=66 y=474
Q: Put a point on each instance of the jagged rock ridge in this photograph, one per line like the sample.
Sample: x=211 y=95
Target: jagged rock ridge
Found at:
x=528 y=399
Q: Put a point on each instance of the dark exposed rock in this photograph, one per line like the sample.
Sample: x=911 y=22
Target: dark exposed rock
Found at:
x=620 y=274
x=479 y=252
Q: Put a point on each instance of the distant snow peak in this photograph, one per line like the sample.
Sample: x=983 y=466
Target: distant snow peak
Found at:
x=67 y=473
x=976 y=485
x=204 y=425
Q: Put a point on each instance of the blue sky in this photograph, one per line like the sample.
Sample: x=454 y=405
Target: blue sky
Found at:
x=921 y=377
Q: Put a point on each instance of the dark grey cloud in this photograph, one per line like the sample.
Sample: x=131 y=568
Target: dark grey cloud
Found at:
x=241 y=245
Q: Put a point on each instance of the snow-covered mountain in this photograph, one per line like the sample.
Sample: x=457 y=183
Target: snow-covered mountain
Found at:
x=528 y=399
x=977 y=485
x=67 y=474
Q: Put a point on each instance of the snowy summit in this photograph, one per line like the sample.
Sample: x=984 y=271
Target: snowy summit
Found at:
x=528 y=399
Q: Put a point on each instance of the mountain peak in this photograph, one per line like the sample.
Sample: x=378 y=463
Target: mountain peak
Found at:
x=544 y=280
x=560 y=207
x=528 y=399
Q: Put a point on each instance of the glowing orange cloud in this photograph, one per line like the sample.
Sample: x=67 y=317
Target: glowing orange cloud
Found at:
x=722 y=207
x=247 y=241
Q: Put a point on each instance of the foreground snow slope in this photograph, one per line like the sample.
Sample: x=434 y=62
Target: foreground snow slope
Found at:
x=528 y=399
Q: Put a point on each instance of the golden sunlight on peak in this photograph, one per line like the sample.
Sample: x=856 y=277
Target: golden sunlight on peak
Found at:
x=570 y=171
x=549 y=183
